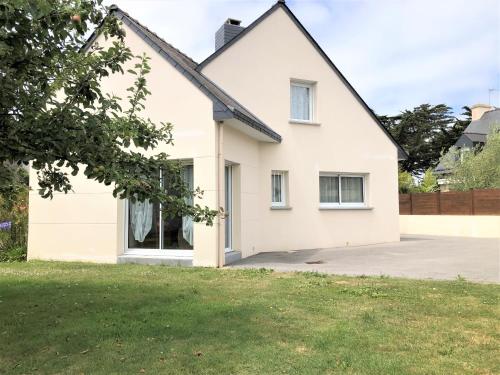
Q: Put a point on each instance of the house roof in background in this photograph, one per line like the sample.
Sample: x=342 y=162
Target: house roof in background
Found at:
x=402 y=155
x=474 y=137
x=475 y=132
x=484 y=124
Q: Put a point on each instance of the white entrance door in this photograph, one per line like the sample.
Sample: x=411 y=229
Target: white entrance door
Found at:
x=228 y=206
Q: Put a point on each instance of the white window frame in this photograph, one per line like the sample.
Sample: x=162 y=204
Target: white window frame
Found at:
x=283 y=201
x=340 y=204
x=170 y=253
x=311 y=87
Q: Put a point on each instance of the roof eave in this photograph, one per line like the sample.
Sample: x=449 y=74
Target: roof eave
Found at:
x=233 y=113
x=268 y=132
x=220 y=110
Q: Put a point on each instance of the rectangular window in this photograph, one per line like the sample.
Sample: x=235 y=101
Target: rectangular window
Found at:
x=329 y=189
x=301 y=102
x=336 y=190
x=151 y=228
x=351 y=190
x=278 y=188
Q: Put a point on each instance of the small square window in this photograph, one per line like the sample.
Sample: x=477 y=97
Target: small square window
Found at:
x=278 y=188
x=301 y=101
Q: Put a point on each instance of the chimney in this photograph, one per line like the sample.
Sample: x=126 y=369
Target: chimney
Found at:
x=478 y=110
x=227 y=31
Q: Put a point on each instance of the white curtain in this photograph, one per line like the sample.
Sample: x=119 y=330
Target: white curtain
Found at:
x=187 y=221
x=141 y=219
x=300 y=103
x=276 y=188
x=329 y=189
x=352 y=189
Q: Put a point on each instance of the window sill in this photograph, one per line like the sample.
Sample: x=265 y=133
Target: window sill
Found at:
x=303 y=122
x=346 y=208
x=280 y=208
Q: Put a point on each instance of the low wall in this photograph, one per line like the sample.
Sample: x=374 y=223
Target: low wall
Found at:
x=451 y=225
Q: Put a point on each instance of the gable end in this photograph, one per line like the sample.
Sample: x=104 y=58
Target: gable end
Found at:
x=225 y=107
x=402 y=155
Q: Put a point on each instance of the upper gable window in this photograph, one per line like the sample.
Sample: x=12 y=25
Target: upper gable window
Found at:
x=301 y=101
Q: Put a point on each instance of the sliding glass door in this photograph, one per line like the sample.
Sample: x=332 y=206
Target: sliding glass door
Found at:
x=151 y=231
x=228 y=177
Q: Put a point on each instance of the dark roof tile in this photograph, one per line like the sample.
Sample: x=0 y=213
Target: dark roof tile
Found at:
x=227 y=107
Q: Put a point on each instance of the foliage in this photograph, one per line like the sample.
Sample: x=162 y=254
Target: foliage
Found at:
x=424 y=133
x=478 y=168
x=14 y=182
x=73 y=318
x=405 y=182
x=16 y=253
x=429 y=183
x=14 y=210
x=54 y=114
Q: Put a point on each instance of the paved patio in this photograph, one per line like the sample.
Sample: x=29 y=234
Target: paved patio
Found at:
x=419 y=257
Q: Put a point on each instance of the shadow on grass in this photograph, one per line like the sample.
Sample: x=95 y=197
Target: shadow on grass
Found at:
x=61 y=327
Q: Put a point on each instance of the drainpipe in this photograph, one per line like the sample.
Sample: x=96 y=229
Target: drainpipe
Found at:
x=220 y=195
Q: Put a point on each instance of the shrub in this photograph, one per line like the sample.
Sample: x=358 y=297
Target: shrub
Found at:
x=477 y=168
x=405 y=182
x=14 y=232
x=13 y=254
x=429 y=182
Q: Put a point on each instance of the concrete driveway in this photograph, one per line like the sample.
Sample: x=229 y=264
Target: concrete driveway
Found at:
x=419 y=257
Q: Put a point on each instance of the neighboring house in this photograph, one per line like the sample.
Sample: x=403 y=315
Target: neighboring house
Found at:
x=483 y=117
x=270 y=130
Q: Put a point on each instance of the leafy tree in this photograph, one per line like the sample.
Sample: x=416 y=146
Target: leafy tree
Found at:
x=54 y=114
x=429 y=183
x=424 y=133
x=478 y=168
x=16 y=181
x=405 y=182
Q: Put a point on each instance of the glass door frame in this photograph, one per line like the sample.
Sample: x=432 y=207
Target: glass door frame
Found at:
x=176 y=253
x=228 y=193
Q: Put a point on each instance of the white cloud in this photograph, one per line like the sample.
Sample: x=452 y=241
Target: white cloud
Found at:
x=190 y=25
x=399 y=54
x=396 y=53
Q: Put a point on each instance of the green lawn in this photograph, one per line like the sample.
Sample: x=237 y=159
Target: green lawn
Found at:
x=97 y=319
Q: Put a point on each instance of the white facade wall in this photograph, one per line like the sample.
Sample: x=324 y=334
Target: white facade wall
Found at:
x=89 y=224
x=256 y=71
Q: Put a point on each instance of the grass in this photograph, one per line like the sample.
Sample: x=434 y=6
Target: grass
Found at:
x=75 y=318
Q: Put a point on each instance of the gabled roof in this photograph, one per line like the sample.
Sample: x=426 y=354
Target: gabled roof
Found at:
x=281 y=4
x=475 y=132
x=225 y=107
x=485 y=123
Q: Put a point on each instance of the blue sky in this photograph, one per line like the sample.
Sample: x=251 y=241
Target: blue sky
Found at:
x=396 y=53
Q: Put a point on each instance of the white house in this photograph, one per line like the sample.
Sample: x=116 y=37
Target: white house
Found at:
x=271 y=131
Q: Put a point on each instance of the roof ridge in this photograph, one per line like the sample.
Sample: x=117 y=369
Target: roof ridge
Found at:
x=240 y=35
x=282 y=4
x=114 y=7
